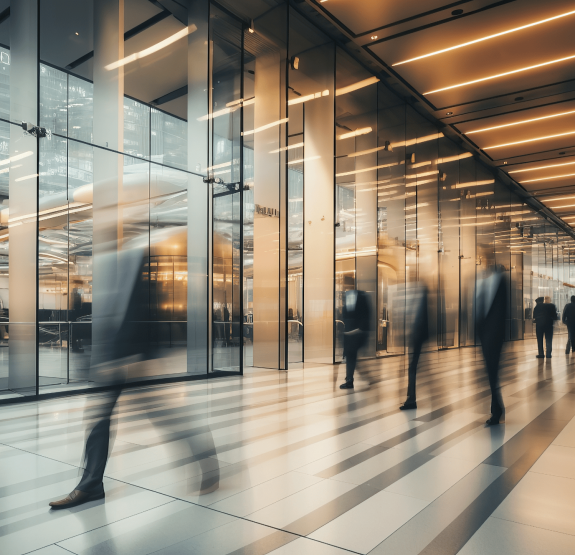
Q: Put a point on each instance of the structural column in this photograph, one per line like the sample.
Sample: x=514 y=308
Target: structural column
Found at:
x=23 y=258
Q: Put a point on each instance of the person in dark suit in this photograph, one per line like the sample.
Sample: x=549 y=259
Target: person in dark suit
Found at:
x=569 y=320
x=491 y=313
x=357 y=322
x=416 y=311
x=544 y=314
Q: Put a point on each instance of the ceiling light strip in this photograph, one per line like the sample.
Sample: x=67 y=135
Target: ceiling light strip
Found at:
x=520 y=122
x=530 y=140
x=549 y=178
x=485 y=38
x=542 y=168
x=490 y=77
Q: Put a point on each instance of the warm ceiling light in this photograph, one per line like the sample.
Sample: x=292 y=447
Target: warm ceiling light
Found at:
x=155 y=48
x=557 y=198
x=264 y=127
x=484 y=194
x=301 y=99
x=356 y=86
x=373 y=37
x=500 y=75
x=548 y=177
x=356 y=133
x=530 y=140
x=543 y=167
x=520 y=122
x=474 y=183
x=290 y=147
x=485 y=38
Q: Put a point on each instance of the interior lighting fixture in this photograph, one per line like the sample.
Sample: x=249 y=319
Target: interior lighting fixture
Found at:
x=474 y=183
x=264 y=127
x=515 y=29
x=371 y=169
x=290 y=147
x=420 y=205
x=454 y=158
x=485 y=193
x=356 y=133
x=152 y=49
x=356 y=86
x=520 y=122
x=418 y=183
x=542 y=167
x=251 y=28
x=424 y=174
x=548 y=178
x=308 y=97
x=530 y=140
x=373 y=37
x=490 y=77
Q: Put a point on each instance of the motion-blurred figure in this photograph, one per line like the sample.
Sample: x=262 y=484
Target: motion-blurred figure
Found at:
x=120 y=341
x=416 y=301
x=357 y=322
x=569 y=320
x=544 y=314
x=491 y=312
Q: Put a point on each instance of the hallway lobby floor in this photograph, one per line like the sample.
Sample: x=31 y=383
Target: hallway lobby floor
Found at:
x=306 y=468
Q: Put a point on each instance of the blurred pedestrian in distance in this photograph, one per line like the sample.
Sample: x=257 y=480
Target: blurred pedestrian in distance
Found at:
x=357 y=325
x=569 y=320
x=491 y=314
x=416 y=301
x=544 y=314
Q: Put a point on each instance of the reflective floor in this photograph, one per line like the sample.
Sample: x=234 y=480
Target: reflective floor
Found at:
x=308 y=469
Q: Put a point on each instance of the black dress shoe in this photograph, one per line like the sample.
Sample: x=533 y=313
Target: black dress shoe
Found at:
x=493 y=421
x=539 y=356
x=408 y=405
x=76 y=498
x=548 y=356
x=346 y=385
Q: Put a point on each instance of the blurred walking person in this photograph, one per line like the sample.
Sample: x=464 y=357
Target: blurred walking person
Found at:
x=491 y=314
x=569 y=320
x=416 y=301
x=544 y=314
x=357 y=324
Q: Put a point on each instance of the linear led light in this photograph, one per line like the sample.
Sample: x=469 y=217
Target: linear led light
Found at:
x=531 y=140
x=16 y=158
x=424 y=174
x=490 y=77
x=356 y=133
x=484 y=38
x=301 y=99
x=454 y=158
x=301 y=160
x=356 y=86
x=484 y=194
x=474 y=183
x=520 y=122
x=283 y=149
x=420 y=164
x=548 y=178
x=152 y=49
x=410 y=142
x=264 y=127
x=543 y=167
x=230 y=108
x=565 y=206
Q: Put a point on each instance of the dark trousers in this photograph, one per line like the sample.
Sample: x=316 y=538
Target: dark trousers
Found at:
x=98 y=446
x=570 y=339
x=412 y=370
x=491 y=354
x=352 y=344
x=546 y=331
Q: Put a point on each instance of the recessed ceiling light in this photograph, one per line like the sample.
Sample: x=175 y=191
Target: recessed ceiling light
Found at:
x=520 y=122
x=456 y=12
x=561 y=153
x=518 y=98
x=549 y=177
x=373 y=37
x=486 y=38
x=543 y=167
x=505 y=163
x=77 y=33
x=449 y=113
x=557 y=198
x=520 y=70
x=530 y=140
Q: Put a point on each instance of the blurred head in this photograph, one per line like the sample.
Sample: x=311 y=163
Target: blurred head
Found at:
x=539 y=300
x=547 y=299
x=573 y=298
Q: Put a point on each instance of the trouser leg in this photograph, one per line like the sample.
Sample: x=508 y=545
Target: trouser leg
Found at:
x=570 y=338
x=412 y=371
x=539 y=334
x=97 y=446
x=492 y=366
x=350 y=359
x=549 y=340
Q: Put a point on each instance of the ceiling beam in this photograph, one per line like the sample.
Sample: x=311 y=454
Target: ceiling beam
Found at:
x=182 y=91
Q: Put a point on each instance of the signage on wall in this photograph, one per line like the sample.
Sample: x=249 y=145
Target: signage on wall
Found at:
x=265 y=211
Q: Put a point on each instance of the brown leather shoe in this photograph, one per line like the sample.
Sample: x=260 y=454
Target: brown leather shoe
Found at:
x=76 y=498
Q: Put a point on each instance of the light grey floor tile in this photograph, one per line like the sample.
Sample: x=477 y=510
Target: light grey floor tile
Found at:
x=50 y=550
x=543 y=501
x=567 y=436
x=149 y=531
x=372 y=522
x=557 y=460
x=510 y=538
x=304 y=546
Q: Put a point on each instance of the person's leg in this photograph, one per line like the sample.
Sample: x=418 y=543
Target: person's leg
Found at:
x=539 y=334
x=350 y=348
x=549 y=341
x=492 y=355
x=570 y=337
x=412 y=374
